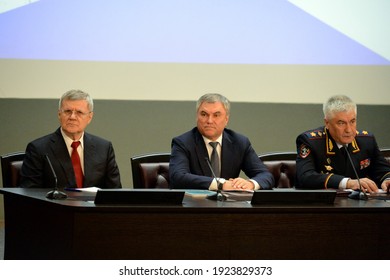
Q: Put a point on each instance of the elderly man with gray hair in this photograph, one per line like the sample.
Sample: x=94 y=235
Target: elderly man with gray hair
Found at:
x=79 y=159
x=228 y=152
x=326 y=154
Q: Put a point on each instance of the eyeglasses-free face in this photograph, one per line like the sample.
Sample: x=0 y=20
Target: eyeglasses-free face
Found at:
x=211 y=119
x=342 y=127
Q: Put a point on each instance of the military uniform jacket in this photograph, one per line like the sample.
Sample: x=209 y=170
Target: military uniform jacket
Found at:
x=321 y=164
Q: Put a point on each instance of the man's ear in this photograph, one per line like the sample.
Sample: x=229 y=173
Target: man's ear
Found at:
x=326 y=122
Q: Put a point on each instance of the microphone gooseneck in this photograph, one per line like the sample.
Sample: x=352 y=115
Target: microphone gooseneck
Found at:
x=218 y=195
x=55 y=193
x=361 y=194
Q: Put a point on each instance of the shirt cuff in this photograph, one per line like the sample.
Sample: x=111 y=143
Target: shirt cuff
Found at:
x=257 y=186
x=214 y=184
x=343 y=183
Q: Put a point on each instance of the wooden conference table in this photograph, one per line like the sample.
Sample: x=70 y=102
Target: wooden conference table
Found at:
x=76 y=228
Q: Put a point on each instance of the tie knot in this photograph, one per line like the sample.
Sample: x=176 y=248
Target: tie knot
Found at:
x=213 y=144
x=75 y=144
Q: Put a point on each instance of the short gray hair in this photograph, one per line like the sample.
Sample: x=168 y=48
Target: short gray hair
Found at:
x=338 y=103
x=76 y=94
x=212 y=98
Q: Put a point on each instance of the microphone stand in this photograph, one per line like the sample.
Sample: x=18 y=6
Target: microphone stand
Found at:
x=54 y=194
x=218 y=195
x=361 y=195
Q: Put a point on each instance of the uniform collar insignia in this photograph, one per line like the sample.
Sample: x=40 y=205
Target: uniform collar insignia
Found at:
x=329 y=144
x=355 y=147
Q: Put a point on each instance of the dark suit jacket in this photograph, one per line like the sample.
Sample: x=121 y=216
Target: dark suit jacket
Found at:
x=188 y=167
x=321 y=164
x=100 y=167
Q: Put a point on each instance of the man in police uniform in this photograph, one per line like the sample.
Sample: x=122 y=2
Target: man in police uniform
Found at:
x=322 y=161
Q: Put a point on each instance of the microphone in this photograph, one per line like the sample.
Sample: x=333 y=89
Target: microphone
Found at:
x=55 y=193
x=357 y=194
x=218 y=195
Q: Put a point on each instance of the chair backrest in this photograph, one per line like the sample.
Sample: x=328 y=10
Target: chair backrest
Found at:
x=11 y=164
x=282 y=166
x=386 y=153
x=150 y=170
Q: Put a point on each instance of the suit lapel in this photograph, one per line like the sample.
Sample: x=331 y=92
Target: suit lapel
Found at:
x=201 y=152
x=227 y=154
x=61 y=154
x=89 y=156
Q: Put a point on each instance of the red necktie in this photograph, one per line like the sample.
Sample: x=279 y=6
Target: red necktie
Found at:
x=77 y=164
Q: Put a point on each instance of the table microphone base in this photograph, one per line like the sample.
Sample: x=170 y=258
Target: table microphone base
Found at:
x=358 y=195
x=56 y=194
x=217 y=196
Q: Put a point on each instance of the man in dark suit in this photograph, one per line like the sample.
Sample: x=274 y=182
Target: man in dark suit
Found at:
x=95 y=164
x=323 y=162
x=189 y=167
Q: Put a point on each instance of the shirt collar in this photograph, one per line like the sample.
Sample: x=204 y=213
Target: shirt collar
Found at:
x=69 y=141
x=207 y=141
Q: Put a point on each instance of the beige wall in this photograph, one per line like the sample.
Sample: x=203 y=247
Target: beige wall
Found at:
x=307 y=84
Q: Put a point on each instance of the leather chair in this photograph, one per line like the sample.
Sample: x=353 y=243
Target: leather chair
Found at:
x=386 y=153
x=282 y=165
x=11 y=164
x=150 y=171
